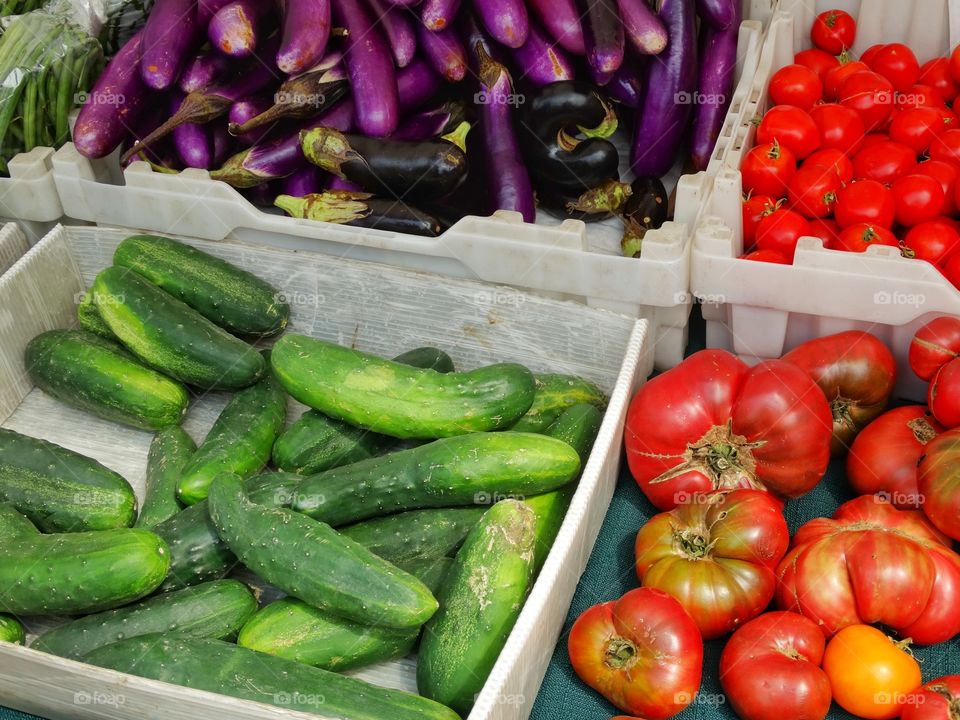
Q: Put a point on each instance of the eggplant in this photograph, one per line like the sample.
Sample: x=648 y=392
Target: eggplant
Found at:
x=432 y=123
x=206 y=9
x=337 y=183
x=223 y=143
x=161 y=154
x=645 y=209
x=562 y=20
x=603 y=37
x=626 y=85
x=443 y=49
x=562 y=205
x=307 y=180
x=438 y=14
x=540 y=61
x=399 y=29
x=300 y=97
x=506 y=20
x=243 y=110
x=306 y=30
x=204 y=70
x=194 y=143
x=360 y=210
x=171 y=36
x=718 y=64
x=236 y=28
x=603 y=200
x=719 y=14
x=664 y=116
x=642 y=26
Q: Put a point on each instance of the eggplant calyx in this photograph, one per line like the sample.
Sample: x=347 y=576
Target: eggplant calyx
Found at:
x=334 y=206
x=631 y=244
x=607 y=127
x=329 y=149
x=566 y=141
x=458 y=136
x=607 y=197
x=490 y=71
x=234 y=172
x=197 y=108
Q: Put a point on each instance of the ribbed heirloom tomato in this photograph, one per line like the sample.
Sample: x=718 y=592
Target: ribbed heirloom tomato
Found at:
x=938 y=480
x=937 y=700
x=933 y=357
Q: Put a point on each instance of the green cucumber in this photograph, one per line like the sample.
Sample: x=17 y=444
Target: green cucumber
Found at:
x=13 y=524
x=87 y=372
x=170 y=451
x=171 y=336
x=80 y=572
x=427 y=357
x=464 y=470
x=432 y=572
x=89 y=318
x=397 y=400
x=479 y=605
x=216 y=609
x=556 y=393
x=11 y=630
x=221 y=667
x=60 y=490
x=239 y=441
x=236 y=300
x=310 y=561
x=415 y=534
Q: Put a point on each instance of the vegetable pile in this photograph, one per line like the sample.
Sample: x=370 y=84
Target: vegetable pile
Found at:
x=374 y=556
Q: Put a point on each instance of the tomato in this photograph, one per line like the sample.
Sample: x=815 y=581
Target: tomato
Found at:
x=834 y=31
x=949 y=118
x=883 y=459
x=865 y=201
x=937 y=700
x=936 y=73
x=817 y=60
x=870 y=674
x=712 y=422
x=840 y=127
x=931 y=241
x=856 y=372
x=938 y=480
x=872 y=563
x=870 y=95
x=834 y=159
x=716 y=554
x=897 y=63
x=950 y=267
x=755 y=209
x=871 y=52
x=860 y=237
x=916 y=128
x=642 y=652
x=883 y=161
x=947 y=174
x=780 y=652
x=955 y=63
x=792 y=127
x=917 y=199
x=946 y=146
x=795 y=85
x=826 y=229
x=835 y=77
x=770 y=256
x=813 y=191
x=920 y=96
x=943 y=395
x=933 y=346
x=768 y=169
x=780 y=232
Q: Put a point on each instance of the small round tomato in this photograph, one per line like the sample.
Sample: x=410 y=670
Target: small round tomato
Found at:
x=827 y=230
x=780 y=232
x=792 y=127
x=770 y=256
x=937 y=700
x=947 y=173
x=834 y=31
x=755 y=209
x=840 y=127
x=917 y=199
x=817 y=60
x=835 y=77
x=795 y=85
x=919 y=96
x=931 y=241
x=865 y=201
x=955 y=63
x=936 y=73
x=871 y=95
x=813 y=191
x=883 y=161
x=835 y=160
x=870 y=674
x=768 y=169
x=897 y=63
x=859 y=237
x=946 y=146
x=916 y=128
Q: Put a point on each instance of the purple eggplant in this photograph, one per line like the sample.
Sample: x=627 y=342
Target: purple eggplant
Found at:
x=416 y=84
x=603 y=36
x=404 y=3
x=370 y=67
x=398 y=27
x=718 y=62
x=540 y=61
x=626 y=85
x=339 y=183
x=194 y=143
x=360 y=209
x=664 y=117
x=562 y=20
x=443 y=49
x=438 y=15
x=642 y=26
x=306 y=30
x=161 y=154
x=432 y=123
x=243 y=110
x=507 y=21
x=719 y=14
x=470 y=34
x=509 y=186
x=307 y=180
x=171 y=36
x=203 y=71
x=300 y=97
x=237 y=27
x=224 y=144
x=117 y=101
x=206 y=9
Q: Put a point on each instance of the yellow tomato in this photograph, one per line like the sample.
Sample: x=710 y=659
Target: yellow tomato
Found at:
x=870 y=674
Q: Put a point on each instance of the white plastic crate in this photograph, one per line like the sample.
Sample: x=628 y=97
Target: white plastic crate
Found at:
x=29 y=195
x=377 y=308
x=13 y=245
x=761 y=310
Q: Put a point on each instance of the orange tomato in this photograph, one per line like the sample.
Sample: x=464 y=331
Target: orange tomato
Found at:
x=870 y=674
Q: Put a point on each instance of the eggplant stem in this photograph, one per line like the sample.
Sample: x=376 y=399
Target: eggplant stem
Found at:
x=607 y=127
x=197 y=108
x=458 y=136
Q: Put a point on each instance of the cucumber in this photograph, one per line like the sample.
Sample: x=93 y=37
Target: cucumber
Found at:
x=89 y=318
x=236 y=300
x=556 y=393
x=60 y=490
x=81 y=572
x=397 y=400
x=432 y=572
x=239 y=441
x=427 y=357
x=221 y=667
x=170 y=451
x=171 y=336
x=479 y=605
x=11 y=630
x=95 y=375
x=312 y=562
x=14 y=525
x=463 y=470
x=216 y=609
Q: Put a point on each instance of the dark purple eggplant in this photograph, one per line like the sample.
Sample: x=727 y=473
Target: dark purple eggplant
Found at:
x=360 y=210
x=171 y=36
x=398 y=26
x=443 y=49
x=243 y=110
x=438 y=14
x=562 y=20
x=205 y=70
x=306 y=181
x=718 y=63
x=237 y=27
x=306 y=30
x=642 y=26
x=300 y=97
x=562 y=205
x=507 y=21
x=626 y=85
x=664 y=117
x=719 y=14
x=540 y=61
x=645 y=209
x=604 y=200
x=432 y=123
x=603 y=36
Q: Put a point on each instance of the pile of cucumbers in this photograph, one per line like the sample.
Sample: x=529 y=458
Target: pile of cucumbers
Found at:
x=409 y=508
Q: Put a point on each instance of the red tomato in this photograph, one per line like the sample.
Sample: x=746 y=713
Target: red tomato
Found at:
x=937 y=700
x=931 y=241
x=642 y=652
x=755 y=209
x=920 y=96
x=716 y=554
x=834 y=31
x=938 y=476
x=840 y=127
x=834 y=159
x=947 y=174
x=883 y=459
x=916 y=128
x=780 y=231
x=949 y=118
x=955 y=63
x=780 y=652
x=897 y=63
x=768 y=169
x=827 y=230
x=856 y=372
x=817 y=60
x=792 y=127
x=943 y=395
x=874 y=138
x=835 y=77
x=872 y=563
x=770 y=256
x=865 y=201
x=795 y=85
x=950 y=267
x=813 y=191
x=946 y=146
x=871 y=52
x=714 y=423
x=934 y=345
x=883 y=161
x=857 y=238
x=917 y=199
x=936 y=73
x=871 y=95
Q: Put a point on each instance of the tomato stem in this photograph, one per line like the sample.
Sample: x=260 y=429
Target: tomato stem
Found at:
x=695 y=544
x=723 y=456
x=922 y=430
x=621 y=653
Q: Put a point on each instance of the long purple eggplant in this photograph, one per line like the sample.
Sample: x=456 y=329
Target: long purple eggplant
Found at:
x=370 y=67
x=626 y=85
x=207 y=9
x=642 y=26
x=116 y=103
x=398 y=26
x=244 y=110
x=307 y=180
x=300 y=97
x=338 y=183
x=470 y=34
x=718 y=61
x=306 y=30
x=540 y=61
x=438 y=14
x=443 y=49
x=404 y=3
x=562 y=20
x=664 y=117
x=506 y=20
x=194 y=143
x=224 y=144
x=237 y=27
x=204 y=70
x=604 y=37
x=171 y=36
x=432 y=123
x=719 y=14
x=160 y=154
x=509 y=186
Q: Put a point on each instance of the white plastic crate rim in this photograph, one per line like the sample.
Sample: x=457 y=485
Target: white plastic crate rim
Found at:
x=761 y=310
x=12 y=246
x=376 y=308
x=30 y=192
